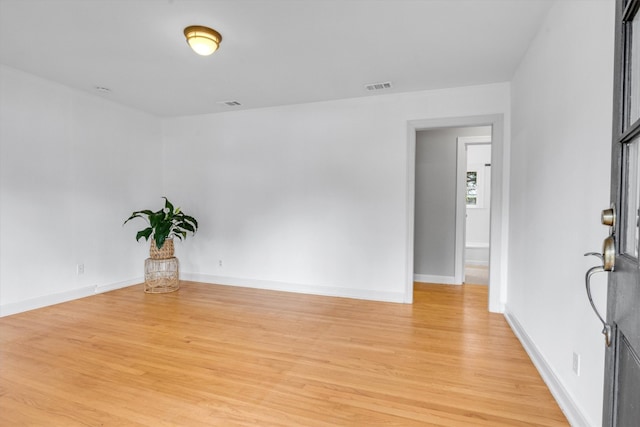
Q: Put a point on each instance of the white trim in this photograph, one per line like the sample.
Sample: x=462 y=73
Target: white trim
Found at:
x=499 y=201
x=484 y=139
x=476 y=245
x=567 y=404
x=477 y=249
x=99 y=289
x=47 y=300
x=461 y=210
x=443 y=280
x=333 y=291
x=410 y=218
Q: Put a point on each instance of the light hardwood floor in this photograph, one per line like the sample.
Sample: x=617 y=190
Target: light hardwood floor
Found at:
x=212 y=355
x=476 y=274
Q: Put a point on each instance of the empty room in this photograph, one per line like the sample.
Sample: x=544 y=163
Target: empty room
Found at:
x=257 y=213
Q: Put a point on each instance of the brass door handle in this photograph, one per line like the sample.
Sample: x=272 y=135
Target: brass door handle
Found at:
x=596 y=254
x=606 y=328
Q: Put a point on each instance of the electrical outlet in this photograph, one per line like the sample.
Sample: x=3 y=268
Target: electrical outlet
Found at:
x=80 y=269
x=576 y=363
x=219 y=263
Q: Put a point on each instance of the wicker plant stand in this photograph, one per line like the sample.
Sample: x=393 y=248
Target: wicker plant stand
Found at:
x=161 y=275
x=161 y=269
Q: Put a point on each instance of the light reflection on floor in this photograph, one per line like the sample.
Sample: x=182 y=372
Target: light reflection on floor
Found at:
x=476 y=274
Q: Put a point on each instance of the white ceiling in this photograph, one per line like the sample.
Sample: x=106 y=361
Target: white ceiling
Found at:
x=273 y=52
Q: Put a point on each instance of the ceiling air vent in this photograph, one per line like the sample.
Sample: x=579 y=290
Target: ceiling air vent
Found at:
x=230 y=103
x=102 y=90
x=378 y=86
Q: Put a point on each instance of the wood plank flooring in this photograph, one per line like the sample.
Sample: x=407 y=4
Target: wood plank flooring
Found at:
x=211 y=355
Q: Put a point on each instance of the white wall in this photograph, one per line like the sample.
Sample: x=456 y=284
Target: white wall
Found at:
x=308 y=197
x=435 y=201
x=560 y=153
x=72 y=167
x=478 y=220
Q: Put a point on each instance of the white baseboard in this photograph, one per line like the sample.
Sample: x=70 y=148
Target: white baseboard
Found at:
x=566 y=403
x=113 y=286
x=46 y=300
x=429 y=278
x=476 y=254
x=476 y=245
x=333 y=291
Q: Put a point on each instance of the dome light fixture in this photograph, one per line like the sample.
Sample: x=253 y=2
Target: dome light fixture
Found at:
x=203 y=40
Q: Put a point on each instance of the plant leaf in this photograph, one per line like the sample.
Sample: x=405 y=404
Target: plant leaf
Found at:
x=168 y=205
x=160 y=238
x=192 y=220
x=144 y=233
x=138 y=214
x=156 y=218
x=186 y=226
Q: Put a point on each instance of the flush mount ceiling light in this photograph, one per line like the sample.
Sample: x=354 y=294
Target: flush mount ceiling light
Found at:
x=203 y=40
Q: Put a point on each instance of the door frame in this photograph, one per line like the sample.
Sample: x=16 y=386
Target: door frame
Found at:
x=499 y=201
x=461 y=206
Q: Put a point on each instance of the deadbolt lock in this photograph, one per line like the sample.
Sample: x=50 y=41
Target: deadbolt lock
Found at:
x=609 y=217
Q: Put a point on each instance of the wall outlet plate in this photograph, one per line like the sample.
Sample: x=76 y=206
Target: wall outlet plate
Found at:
x=576 y=363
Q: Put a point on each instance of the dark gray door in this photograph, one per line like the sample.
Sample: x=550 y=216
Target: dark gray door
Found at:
x=622 y=369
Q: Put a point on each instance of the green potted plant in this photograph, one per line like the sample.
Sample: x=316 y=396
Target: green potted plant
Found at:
x=164 y=225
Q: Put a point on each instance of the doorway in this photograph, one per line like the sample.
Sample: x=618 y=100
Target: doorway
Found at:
x=473 y=212
x=498 y=241
x=440 y=195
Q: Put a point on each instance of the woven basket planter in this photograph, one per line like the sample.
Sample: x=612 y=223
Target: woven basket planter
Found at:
x=165 y=252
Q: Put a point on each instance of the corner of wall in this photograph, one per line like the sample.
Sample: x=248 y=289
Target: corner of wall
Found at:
x=568 y=406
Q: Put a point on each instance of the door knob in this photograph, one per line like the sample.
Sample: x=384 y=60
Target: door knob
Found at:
x=609 y=254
